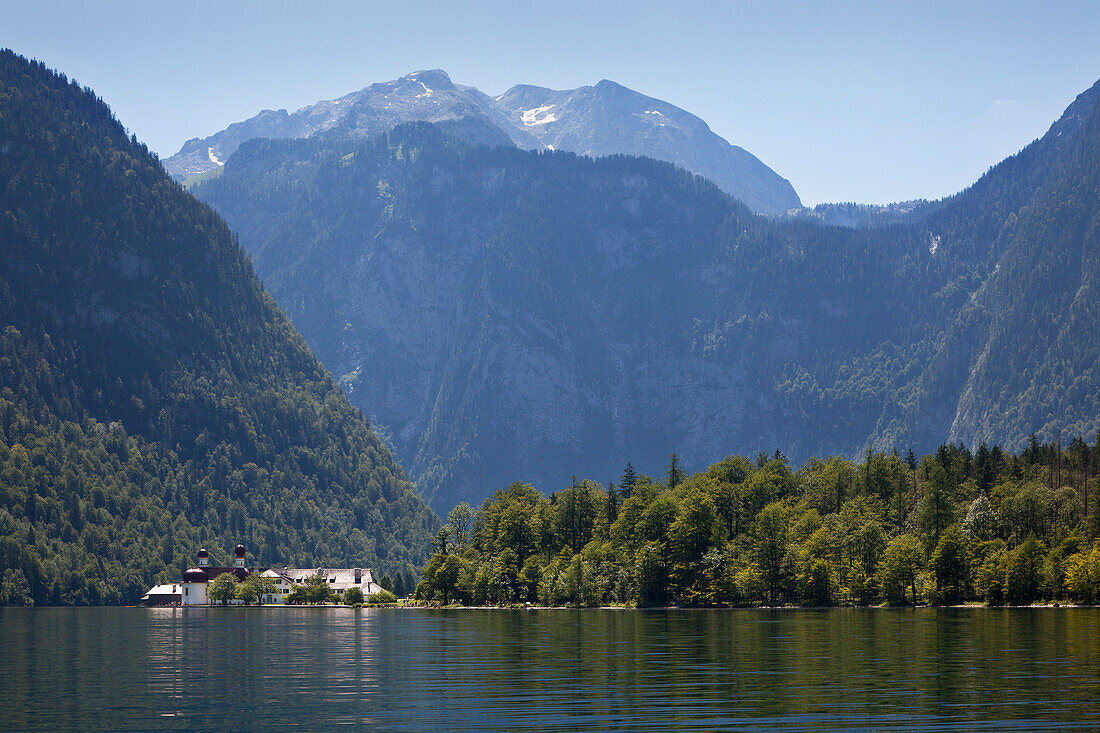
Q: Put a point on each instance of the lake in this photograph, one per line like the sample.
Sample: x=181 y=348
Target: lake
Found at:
x=549 y=670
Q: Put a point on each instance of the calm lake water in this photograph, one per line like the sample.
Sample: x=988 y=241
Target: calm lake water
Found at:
x=316 y=669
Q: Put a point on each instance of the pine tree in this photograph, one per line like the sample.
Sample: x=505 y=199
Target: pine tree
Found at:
x=675 y=473
x=985 y=471
x=630 y=477
x=612 y=504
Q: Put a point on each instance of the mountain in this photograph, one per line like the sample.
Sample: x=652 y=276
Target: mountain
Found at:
x=605 y=119
x=608 y=118
x=153 y=397
x=422 y=95
x=505 y=314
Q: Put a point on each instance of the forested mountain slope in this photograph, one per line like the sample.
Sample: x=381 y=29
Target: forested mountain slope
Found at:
x=595 y=120
x=507 y=314
x=1021 y=354
x=153 y=397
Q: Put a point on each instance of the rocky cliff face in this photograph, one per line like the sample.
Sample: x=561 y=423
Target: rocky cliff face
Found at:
x=508 y=315
x=605 y=119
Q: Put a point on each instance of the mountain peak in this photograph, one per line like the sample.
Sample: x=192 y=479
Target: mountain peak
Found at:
x=432 y=78
x=608 y=85
x=1076 y=114
x=522 y=88
x=421 y=83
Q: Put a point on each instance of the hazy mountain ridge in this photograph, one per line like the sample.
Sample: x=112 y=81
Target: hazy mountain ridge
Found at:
x=422 y=95
x=604 y=119
x=862 y=216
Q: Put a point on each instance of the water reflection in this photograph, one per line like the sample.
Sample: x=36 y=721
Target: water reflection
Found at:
x=308 y=669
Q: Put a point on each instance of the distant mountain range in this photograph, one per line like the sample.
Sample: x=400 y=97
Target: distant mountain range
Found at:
x=505 y=314
x=605 y=119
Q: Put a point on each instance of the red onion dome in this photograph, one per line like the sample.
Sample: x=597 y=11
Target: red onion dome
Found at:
x=203 y=554
x=195 y=575
x=239 y=550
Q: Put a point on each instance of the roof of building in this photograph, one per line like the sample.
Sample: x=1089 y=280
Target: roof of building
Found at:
x=206 y=574
x=337 y=578
x=169 y=589
x=269 y=573
x=331 y=575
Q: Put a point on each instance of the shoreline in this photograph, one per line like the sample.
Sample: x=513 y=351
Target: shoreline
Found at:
x=452 y=607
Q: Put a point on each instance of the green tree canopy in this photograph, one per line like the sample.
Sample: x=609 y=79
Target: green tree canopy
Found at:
x=223 y=588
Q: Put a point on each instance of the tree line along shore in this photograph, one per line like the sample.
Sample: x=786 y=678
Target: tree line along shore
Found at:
x=950 y=528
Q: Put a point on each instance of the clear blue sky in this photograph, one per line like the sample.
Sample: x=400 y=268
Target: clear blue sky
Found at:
x=851 y=101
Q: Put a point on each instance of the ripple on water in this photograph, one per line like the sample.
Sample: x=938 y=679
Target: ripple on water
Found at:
x=310 y=669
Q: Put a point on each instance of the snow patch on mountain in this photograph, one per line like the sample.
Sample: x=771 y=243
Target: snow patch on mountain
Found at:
x=538 y=116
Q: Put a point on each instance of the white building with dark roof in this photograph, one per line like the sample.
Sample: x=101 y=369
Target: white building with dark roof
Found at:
x=338 y=580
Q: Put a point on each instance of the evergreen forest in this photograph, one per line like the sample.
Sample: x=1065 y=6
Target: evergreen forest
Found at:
x=153 y=397
x=952 y=527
